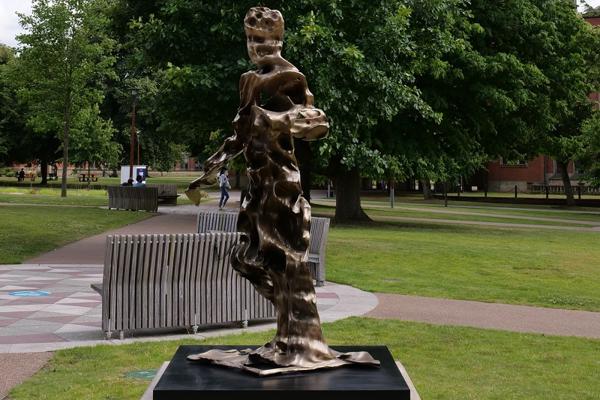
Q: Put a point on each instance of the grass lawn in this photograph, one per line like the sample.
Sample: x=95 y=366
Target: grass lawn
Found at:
x=532 y=215
x=181 y=181
x=444 y=362
x=523 y=266
x=75 y=197
x=28 y=231
x=402 y=214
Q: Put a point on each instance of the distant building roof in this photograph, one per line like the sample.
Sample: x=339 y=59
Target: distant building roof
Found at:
x=593 y=20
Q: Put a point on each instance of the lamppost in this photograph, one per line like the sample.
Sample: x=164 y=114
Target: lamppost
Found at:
x=133 y=138
x=137 y=139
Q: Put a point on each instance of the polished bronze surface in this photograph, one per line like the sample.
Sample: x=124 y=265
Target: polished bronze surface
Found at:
x=275 y=107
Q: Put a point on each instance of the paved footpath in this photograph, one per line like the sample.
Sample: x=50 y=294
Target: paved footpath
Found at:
x=91 y=250
x=477 y=314
x=68 y=312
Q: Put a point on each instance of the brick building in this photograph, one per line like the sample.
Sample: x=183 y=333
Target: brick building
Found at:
x=503 y=176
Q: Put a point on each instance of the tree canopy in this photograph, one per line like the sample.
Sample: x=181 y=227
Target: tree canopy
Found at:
x=64 y=59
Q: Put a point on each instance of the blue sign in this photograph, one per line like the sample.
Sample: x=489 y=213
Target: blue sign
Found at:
x=29 y=293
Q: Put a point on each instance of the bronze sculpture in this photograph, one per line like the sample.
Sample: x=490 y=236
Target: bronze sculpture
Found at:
x=276 y=106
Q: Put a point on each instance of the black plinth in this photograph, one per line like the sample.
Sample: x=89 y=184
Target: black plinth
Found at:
x=185 y=379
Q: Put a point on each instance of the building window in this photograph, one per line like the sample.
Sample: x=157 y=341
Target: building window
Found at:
x=512 y=163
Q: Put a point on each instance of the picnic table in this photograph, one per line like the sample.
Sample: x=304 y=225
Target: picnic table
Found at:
x=88 y=178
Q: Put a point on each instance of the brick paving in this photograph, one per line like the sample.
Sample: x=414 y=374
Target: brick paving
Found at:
x=68 y=312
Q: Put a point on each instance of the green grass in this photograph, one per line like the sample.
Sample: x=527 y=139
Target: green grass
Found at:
x=574 y=213
x=444 y=362
x=532 y=216
x=182 y=181
x=26 y=231
x=404 y=214
x=75 y=197
x=521 y=266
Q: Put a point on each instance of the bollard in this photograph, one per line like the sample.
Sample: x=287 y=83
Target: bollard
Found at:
x=516 y=189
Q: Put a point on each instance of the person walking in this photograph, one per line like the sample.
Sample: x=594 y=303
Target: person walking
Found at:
x=224 y=185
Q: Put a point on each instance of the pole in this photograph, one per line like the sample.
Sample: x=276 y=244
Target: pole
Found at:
x=547 y=192
x=445 y=194
x=516 y=188
x=391 y=194
x=137 y=140
x=132 y=140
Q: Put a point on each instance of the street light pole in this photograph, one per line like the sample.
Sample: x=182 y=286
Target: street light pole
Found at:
x=133 y=138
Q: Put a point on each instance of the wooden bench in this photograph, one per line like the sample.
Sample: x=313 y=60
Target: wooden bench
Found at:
x=177 y=280
x=167 y=193
x=218 y=221
x=319 y=230
x=87 y=178
x=223 y=221
x=133 y=198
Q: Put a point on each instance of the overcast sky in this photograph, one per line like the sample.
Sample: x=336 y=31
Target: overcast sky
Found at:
x=9 y=22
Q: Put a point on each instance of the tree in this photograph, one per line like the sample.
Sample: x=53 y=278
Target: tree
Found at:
x=590 y=156
x=8 y=104
x=65 y=55
x=569 y=60
x=370 y=44
x=590 y=11
x=92 y=139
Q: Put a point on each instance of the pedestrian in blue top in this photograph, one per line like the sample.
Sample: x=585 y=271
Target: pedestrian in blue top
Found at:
x=224 y=185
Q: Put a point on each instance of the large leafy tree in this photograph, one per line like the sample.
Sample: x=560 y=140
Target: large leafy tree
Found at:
x=360 y=59
x=424 y=88
x=9 y=112
x=18 y=143
x=567 y=56
x=65 y=56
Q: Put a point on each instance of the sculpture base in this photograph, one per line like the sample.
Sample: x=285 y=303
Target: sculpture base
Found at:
x=269 y=360
x=184 y=379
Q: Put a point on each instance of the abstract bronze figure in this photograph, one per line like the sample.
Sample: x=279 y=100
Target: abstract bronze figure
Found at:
x=275 y=107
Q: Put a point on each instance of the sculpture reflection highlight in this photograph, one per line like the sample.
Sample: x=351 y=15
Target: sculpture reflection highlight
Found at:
x=276 y=106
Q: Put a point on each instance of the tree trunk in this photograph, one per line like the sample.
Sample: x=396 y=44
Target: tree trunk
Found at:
x=426 y=187
x=564 y=173
x=347 y=196
x=66 y=131
x=44 y=171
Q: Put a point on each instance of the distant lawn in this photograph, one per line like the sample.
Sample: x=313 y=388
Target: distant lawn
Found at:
x=155 y=177
x=532 y=215
x=36 y=195
x=522 y=266
x=28 y=231
x=524 y=212
x=444 y=362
